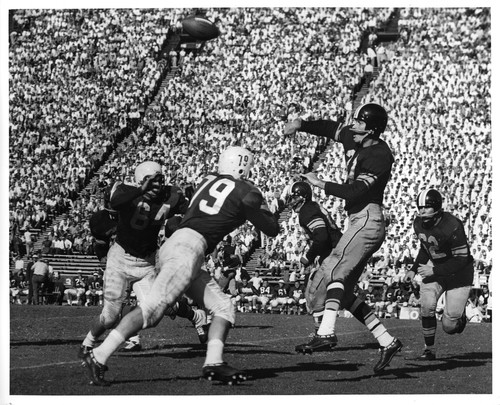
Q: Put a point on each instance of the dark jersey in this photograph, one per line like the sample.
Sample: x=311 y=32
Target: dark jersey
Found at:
x=296 y=292
x=247 y=290
x=265 y=291
x=221 y=204
x=445 y=244
x=321 y=230
x=280 y=292
x=102 y=226
x=368 y=168
x=140 y=220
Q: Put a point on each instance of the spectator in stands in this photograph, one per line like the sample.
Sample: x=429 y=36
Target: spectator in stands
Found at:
x=28 y=240
x=18 y=264
x=68 y=245
x=256 y=279
x=46 y=246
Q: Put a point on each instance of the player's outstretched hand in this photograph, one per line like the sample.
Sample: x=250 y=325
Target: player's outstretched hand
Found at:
x=409 y=276
x=292 y=126
x=311 y=178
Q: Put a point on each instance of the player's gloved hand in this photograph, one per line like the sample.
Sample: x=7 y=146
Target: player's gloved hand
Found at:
x=409 y=276
x=293 y=126
x=304 y=261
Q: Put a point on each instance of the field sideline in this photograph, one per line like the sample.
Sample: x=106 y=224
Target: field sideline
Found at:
x=44 y=341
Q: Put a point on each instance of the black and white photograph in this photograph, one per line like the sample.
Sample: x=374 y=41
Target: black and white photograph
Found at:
x=247 y=202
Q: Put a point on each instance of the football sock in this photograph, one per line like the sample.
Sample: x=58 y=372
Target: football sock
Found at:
x=378 y=330
x=89 y=340
x=215 y=347
x=113 y=341
x=318 y=317
x=363 y=313
x=429 y=325
x=197 y=316
x=334 y=293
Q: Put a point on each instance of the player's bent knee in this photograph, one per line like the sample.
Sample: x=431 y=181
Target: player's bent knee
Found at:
x=223 y=308
x=109 y=317
x=450 y=326
x=427 y=312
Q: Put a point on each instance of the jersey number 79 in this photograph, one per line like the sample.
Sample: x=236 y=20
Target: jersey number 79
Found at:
x=215 y=196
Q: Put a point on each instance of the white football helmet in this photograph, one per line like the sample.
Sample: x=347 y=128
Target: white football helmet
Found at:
x=236 y=161
x=145 y=169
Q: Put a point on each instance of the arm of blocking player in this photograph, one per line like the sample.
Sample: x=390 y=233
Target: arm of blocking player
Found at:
x=257 y=212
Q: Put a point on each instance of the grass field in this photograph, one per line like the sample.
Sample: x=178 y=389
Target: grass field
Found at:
x=45 y=340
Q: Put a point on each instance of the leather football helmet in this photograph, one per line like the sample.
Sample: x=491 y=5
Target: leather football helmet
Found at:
x=147 y=169
x=374 y=116
x=236 y=161
x=430 y=198
x=300 y=193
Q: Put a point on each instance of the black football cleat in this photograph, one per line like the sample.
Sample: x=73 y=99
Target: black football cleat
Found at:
x=386 y=355
x=95 y=370
x=318 y=344
x=131 y=346
x=83 y=350
x=223 y=372
x=427 y=355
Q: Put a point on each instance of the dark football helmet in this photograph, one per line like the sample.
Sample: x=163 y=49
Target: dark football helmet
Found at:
x=299 y=194
x=374 y=116
x=430 y=198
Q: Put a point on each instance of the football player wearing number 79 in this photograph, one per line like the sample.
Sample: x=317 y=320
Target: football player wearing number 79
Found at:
x=221 y=203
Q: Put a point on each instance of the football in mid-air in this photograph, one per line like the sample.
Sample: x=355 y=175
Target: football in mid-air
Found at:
x=200 y=28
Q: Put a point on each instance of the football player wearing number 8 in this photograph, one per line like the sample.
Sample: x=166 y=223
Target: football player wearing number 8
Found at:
x=369 y=163
x=221 y=203
x=446 y=266
x=141 y=211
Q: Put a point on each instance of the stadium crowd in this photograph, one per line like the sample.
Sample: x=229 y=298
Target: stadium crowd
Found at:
x=78 y=78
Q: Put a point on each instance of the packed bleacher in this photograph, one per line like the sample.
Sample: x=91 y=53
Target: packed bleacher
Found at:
x=81 y=108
